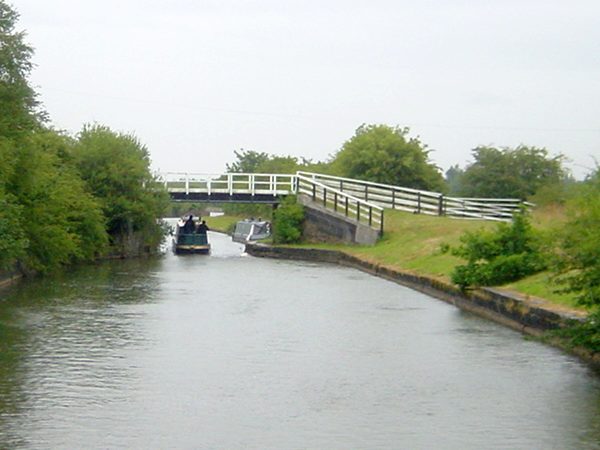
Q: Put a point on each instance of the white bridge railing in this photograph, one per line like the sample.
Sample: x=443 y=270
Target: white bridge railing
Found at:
x=341 y=202
x=363 y=201
x=229 y=183
x=421 y=202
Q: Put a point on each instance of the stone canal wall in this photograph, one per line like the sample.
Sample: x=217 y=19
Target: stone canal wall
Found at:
x=522 y=313
x=322 y=224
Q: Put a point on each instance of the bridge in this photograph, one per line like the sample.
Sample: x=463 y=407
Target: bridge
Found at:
x=360 y=201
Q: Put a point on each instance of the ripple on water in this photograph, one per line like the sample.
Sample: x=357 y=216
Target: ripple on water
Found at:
x=238 y=352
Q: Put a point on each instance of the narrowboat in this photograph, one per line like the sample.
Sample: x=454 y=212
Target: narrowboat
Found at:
x=251 y=230
x=190 y=242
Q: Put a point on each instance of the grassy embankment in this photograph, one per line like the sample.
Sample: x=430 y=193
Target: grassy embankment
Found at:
x=413 y=243
x=223 y=224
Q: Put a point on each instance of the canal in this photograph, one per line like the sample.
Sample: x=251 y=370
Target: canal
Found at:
x=234 y=352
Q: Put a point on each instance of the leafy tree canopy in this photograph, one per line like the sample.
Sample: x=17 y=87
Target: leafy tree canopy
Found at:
x=453 y=179
x=385 y=154
x=116 y=169
x=579 y=259
x=510 y=173
x=18 y=103
x=61 y=220
x=13 y=242
x=250 y=161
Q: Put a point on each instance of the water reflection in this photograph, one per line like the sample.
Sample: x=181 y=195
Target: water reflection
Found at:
x=229 y=351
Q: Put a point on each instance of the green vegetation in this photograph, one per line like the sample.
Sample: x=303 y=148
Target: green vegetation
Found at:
x=287 y=221
x=506 y=173
x=60 y=219
x=116 y=170
x=494 y=257
x=579 y=259
x=64 y=199
x=558 y=246
x=585 y=335
x=385 y=154
x=415 y=243
x=223 y=224
x=250 y=161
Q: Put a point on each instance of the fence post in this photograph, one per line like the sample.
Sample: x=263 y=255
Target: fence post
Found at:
x=393 y=199
x=441 y=205
x=418 y=202
x=358 y=211
x=370 y=215
x=346 y=206
x=335 y=201
x=381 y=225
x=342 y=185
x=314 y=195
x=325 y=197
x=366 y=192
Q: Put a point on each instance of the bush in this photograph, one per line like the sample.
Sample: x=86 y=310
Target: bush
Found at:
x=586 y=334
x=13 y=242
x=287 y=222
x=61 y=221
x=116 y=170
x=509 y=253
x=578 y=263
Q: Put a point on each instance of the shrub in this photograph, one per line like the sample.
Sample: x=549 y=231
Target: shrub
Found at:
x=287 y=222
x=578 y=263
x=508 y=253
x=586 y=334
x=116 y=170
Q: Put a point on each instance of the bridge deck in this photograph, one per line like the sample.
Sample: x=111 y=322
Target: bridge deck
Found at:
x=226 y=197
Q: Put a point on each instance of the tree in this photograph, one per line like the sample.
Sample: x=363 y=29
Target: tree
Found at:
x=248 y=161
x=578 y=260
x=61 y=221
x=19 y=111
x=280 y=164
x=385 y=154
x=116 y=170
x=512 y=173
x=453 y=179
x=13 y=241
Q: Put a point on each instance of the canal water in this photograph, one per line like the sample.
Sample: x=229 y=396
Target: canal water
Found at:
x=233 y=352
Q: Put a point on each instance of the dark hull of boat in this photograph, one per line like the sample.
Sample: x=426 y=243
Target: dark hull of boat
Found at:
x=192 y=249
x=191 y=244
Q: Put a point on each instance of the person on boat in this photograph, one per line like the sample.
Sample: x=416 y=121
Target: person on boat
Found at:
x=202 y=228
x=189 y=226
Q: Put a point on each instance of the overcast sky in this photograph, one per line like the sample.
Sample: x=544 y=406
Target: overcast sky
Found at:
x=197 y=79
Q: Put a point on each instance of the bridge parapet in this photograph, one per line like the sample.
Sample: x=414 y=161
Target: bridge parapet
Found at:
x=228 y=186
x=344 y=203
x=421 y=201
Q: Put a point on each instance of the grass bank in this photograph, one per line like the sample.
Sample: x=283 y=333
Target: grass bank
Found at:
x=413 y=243
x=223 y=224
